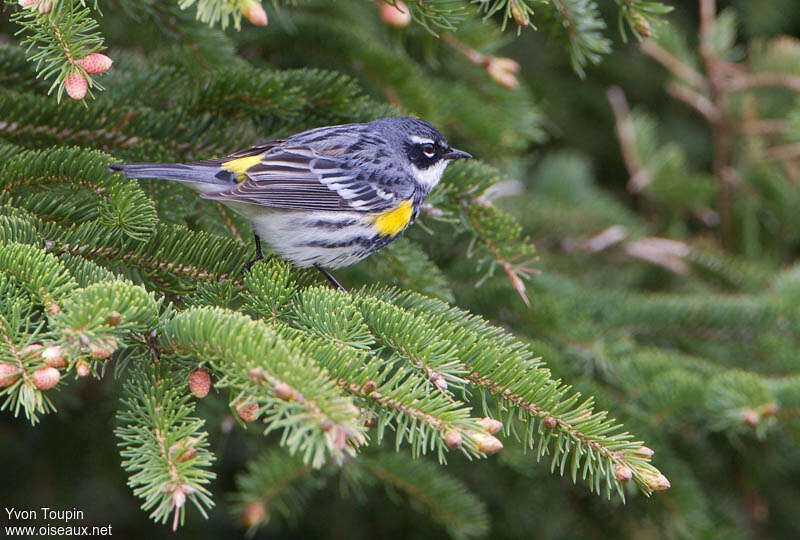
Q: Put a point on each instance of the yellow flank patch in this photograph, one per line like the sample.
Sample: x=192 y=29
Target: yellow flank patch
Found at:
x=394 y=221
x=240 y=165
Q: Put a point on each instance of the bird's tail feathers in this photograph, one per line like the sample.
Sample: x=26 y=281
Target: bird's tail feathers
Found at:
x=203 y=174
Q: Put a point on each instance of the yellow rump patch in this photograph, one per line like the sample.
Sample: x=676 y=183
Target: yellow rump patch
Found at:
x=239 y=166
x=394 y=221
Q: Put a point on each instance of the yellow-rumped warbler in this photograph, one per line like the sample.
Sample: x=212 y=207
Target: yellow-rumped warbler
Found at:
x=327 y=197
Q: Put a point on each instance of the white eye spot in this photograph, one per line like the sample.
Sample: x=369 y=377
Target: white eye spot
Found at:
x=429 y=150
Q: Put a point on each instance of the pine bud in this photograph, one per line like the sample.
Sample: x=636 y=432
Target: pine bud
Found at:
x=115 y=318
x=397 y=15
x=770 y=409
x=44 y=6
x=8 y=374
x=487 y=444
x=257 y=375
x=253 y=514
x=102 y=349
x=248 y=413
x=453 y=439
x=658 y=482
x=46 y=378
x=97 y=63
x=642 y=26
x=199 y=383
x=326 y=424
x=491 y=425
x=502 y=70
x=549 y=422
x=751 y=418
x=76 y=85
x=256 y=14
x=438 y=381
x=369 y=387
x=519 y=13
x=54 y=356
x=283 y=391
x=27 y=3
x=82 y=368
x=622 y=473
x=644 y=450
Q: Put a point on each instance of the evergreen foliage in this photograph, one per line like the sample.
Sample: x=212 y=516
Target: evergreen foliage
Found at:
x=675 y=308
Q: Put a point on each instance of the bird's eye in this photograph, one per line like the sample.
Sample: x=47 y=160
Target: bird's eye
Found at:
x=429 y=150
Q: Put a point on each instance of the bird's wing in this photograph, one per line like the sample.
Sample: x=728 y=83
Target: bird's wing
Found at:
x=302 y=178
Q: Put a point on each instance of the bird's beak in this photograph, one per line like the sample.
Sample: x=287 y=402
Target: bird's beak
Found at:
x=456 y=154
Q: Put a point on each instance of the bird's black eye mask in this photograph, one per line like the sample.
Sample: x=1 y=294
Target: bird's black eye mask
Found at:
x=424 y=154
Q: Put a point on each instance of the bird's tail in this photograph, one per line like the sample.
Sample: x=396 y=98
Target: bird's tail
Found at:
x=198 y=173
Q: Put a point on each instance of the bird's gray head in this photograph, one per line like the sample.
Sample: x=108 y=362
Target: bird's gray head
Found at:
x=425 y=148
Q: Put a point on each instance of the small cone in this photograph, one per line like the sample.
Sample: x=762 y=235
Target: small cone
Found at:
x=97 y=63
x=397 y=16
x=199 y=383
x=8 y=374
x=76 y=85
x=46 y=378
x=82 y=368
x=487 y=444
x=657 y=483
x=491 y=425
x=54 y=357
x=248 y=413
x=256 y=14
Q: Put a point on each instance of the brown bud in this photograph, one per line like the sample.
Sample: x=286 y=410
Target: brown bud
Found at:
x=369 y=419
x=46 y=378
x=519 y=13
x=488 y=444
x=326 y=424
x=253 y=514
x=8 y=374
x=490 y=424
x=622 y=473
x=115 y=318
x=184 y=450
x=369 y=387
x=549 y=422
x=642 y=26
x=439 y=382
x=256 y=14
x=199 y=383
x=397 y=15
x=54 y=356
x=82 y=368
x=453 y=439
x=658 y=482
x=751 y=418
x=770 y=409
x=283 y=391
x=502 y=70
x=248 y=413
x=645 y=451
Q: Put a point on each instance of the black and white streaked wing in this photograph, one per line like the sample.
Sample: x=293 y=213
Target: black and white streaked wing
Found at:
x=304 y=179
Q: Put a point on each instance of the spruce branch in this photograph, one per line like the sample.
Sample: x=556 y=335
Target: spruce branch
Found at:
x=163 y=447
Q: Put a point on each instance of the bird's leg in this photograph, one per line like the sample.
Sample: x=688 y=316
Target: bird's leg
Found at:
x=330 y=278
x=259 y=254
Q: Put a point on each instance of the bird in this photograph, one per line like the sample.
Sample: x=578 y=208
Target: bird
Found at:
x=328 y=197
